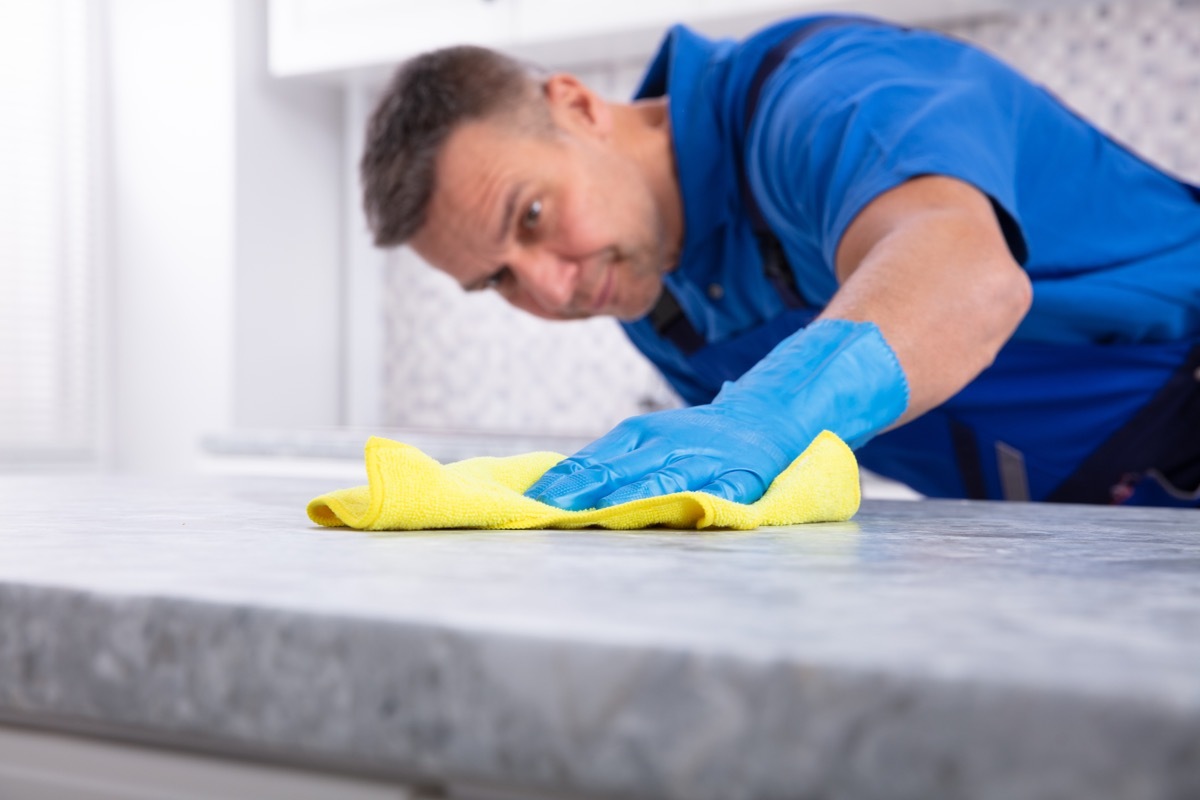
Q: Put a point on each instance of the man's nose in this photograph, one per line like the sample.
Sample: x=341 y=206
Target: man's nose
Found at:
x=549 y=279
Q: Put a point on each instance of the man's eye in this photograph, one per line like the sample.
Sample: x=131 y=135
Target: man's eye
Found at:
x=498 y=279
x=532 y=214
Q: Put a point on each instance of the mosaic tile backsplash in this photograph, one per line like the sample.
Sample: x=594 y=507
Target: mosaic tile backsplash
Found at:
x=471 y=363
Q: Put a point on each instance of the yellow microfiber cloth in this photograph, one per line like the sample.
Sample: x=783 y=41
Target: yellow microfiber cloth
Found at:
x=408 y=490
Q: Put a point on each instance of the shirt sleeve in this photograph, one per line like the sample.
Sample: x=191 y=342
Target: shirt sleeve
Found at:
x=860 y=112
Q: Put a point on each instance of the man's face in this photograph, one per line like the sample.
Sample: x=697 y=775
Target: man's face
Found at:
x=563 y=224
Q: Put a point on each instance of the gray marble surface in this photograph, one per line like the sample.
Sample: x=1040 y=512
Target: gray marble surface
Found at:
x=922 y=650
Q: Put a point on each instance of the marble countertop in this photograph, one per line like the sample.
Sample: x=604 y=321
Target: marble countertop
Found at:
x=922 y=650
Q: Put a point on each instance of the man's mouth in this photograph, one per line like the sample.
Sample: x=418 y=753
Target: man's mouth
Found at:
x=603 y=294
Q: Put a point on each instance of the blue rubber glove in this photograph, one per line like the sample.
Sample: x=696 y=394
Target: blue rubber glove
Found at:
x=834 y=375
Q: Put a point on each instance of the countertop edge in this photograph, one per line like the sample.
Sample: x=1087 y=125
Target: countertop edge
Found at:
x=432 y=703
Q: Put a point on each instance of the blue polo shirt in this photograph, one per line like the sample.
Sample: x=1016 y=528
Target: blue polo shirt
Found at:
x=1111 y=243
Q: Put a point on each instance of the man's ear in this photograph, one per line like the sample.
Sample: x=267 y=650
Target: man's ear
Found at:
x=576 y=107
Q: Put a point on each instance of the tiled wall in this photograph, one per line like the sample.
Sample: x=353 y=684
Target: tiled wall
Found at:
x=1132 y=67
x=471 y=363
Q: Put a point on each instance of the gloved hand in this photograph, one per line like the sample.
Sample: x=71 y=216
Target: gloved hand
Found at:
x=834 y=375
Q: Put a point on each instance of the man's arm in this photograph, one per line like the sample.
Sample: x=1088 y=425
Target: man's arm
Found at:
x=927 y=262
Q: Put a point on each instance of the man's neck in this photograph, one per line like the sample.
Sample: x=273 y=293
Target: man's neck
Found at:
x=643 y=129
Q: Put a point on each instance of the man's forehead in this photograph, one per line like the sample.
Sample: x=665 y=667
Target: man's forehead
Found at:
x=454 y=237
x=477 y=173
x=471 y=164
x=463 y=213
x=480 y=138
x=481 y=171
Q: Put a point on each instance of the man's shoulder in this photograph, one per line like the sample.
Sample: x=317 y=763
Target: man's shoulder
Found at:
x=686 y=56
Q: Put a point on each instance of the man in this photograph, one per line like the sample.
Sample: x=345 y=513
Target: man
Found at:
x=835 y=224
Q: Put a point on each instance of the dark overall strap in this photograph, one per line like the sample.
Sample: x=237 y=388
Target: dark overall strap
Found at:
x=667 y=317
x=672 y=324
x=1163 y=435
x=775 y=264
x=968 y=459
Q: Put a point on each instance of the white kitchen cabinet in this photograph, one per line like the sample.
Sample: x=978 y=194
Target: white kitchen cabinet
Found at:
x=313 y=37
x=320 y=36
x=537 y=21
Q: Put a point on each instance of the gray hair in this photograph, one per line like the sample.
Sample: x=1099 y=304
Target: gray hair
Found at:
x=425 y=101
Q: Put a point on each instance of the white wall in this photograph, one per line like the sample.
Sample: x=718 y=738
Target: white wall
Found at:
x=172 y=129
x=287 y=246
x=225 y=219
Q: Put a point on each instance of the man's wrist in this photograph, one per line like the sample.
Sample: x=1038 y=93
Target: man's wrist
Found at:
x=836 y=375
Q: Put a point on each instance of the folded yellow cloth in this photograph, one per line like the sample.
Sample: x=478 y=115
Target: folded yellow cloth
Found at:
x=408 y=490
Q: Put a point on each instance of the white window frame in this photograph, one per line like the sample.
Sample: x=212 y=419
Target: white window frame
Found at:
x=71 y=436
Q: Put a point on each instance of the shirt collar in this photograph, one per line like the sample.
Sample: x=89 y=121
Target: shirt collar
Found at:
x=683 y=70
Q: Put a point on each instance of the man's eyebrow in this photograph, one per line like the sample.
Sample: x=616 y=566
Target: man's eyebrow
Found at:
x=510 y=208
x=506 y=221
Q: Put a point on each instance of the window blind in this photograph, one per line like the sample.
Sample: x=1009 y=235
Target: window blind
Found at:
x=48 y=393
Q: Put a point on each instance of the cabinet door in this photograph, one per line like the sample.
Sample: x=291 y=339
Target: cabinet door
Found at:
x=544 y=20
x=310 y=36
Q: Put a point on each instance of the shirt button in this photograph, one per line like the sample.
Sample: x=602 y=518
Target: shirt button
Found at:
x=716 y=291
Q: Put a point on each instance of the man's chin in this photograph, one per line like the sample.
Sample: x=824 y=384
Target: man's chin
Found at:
x=632 y=312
